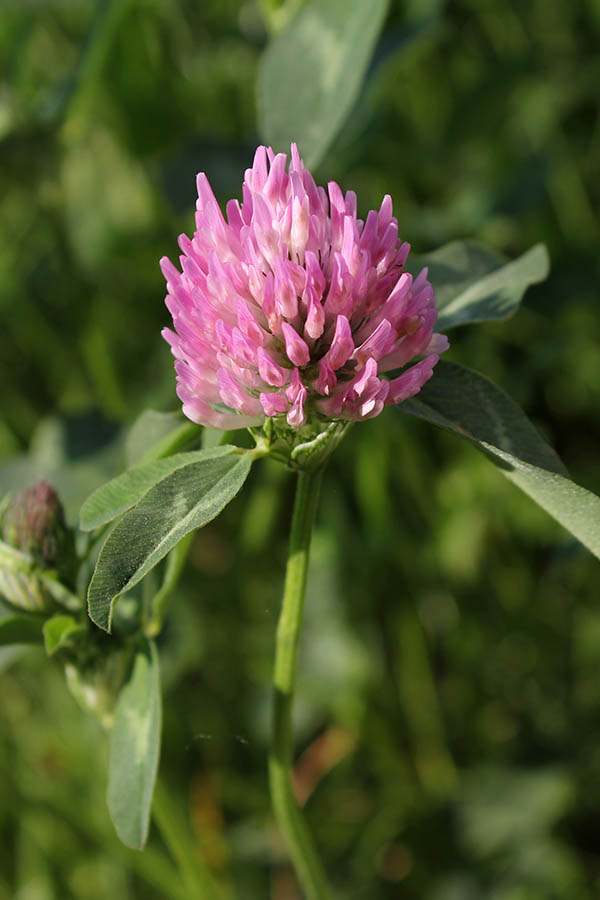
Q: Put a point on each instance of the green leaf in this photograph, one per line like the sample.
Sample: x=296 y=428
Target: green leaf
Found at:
x=468 y=404
x=123 y=492
x=312 y=71
x=185 y=499
x=134 y=750
x=20 y=630
x=473 y=284
x=173 y=568
x=59 y=632
x=157 y=434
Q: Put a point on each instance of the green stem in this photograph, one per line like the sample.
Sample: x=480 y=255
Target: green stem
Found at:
x=173 y=569
x=306 y=862
x=198 y=879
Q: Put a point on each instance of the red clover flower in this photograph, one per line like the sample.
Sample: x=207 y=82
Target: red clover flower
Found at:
x=293 y=307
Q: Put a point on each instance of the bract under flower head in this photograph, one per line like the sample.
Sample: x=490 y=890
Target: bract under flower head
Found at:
x=291 y=307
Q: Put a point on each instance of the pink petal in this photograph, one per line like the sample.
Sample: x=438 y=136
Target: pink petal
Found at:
x=376 y=344
x=342 y=345
x=295 y=347
x=270 y=371
x=274 y=404
x=410 y=382
x=326 y=380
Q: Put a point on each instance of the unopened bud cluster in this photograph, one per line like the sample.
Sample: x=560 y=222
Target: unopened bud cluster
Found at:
x=34 y=524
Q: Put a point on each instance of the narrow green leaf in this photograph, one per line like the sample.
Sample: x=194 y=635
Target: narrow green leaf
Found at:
x=470 y=405
x=20 y=630
x=185 y=499
x=171 y=820
x=134 y=749
x=473 y=284
x=312 y=71
x=123 y=492
x=157 y=434
x=59 y=632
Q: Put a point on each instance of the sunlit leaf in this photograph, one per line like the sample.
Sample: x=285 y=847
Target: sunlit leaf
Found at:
x=134 y=750
x=470 y=405
x=185 y=499
x=474 y=284
x=118 y=495
x=312 y=72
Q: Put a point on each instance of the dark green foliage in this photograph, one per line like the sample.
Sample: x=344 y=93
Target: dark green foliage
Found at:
x=476 y=285
x=471 y=406
x=17 y=629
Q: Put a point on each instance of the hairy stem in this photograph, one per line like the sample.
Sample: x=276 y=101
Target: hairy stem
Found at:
x=306 y=862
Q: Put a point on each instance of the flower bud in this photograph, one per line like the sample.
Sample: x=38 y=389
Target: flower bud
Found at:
x=36 y=541
x=35 y=523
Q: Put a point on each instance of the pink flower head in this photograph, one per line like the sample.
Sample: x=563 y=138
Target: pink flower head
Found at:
x=292 y=306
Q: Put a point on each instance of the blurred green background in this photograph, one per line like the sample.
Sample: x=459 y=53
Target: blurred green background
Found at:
x=448 y=714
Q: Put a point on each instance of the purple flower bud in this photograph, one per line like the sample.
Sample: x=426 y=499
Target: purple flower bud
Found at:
x=34 y=524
